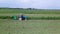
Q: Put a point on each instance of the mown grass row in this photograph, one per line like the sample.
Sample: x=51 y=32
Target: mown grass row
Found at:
x=33 y=18
x=44 y=18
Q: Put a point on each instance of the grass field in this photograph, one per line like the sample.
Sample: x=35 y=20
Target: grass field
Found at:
x=29 y=27
x=28 y=11
x=8 y=26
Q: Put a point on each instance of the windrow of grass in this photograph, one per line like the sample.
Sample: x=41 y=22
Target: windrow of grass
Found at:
x=33 y=18
x=44 y=18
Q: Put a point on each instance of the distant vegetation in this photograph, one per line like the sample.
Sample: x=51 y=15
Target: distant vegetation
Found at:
x=28 y=11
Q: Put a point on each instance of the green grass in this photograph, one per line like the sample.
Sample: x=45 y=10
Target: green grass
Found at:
x=29 y=27
x=33 y=16
x=8 y=26
x=18 y=11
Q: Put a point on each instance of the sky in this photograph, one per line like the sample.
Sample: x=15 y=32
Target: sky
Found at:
x=39 y=4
